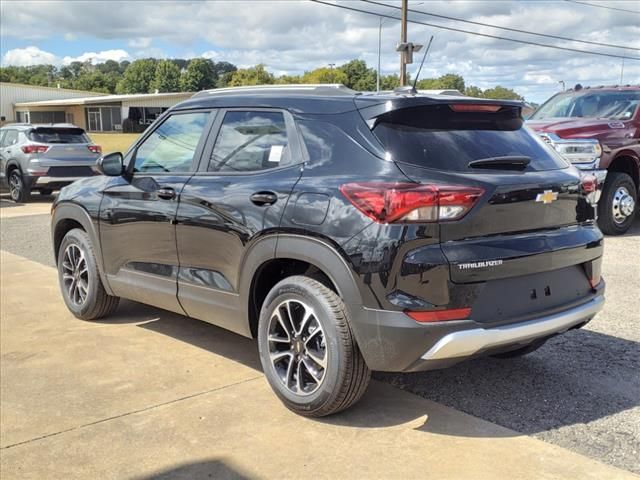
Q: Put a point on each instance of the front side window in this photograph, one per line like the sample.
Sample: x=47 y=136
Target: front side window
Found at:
x=172 y=146
x=250 y=141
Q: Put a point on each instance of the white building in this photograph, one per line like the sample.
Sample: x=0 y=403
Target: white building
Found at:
x=12 y=93
x=95 y=112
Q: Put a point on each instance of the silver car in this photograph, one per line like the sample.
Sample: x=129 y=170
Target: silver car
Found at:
x=44 y=158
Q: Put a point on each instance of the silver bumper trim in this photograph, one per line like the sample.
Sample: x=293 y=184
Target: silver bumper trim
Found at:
x=45 y=180
x=468 y=342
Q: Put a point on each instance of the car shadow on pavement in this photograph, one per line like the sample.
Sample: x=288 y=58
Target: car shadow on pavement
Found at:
x=216 y=469
x=578 y=377
x=6 y=202
x=575 y=378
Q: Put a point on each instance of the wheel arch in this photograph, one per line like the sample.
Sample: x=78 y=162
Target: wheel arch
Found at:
x=627 y=162
x=67 y=216
x=299 y=255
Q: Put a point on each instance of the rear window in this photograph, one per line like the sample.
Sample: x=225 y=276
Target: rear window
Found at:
x=58 y=135
x=437 y=137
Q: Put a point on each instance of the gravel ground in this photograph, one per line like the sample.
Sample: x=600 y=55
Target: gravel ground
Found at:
x=580 y=391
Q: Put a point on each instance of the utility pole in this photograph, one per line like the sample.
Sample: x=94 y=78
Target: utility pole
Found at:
x=379 y=52
x=403 y=41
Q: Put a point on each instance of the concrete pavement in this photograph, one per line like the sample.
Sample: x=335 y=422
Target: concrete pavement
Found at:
x=150 y=394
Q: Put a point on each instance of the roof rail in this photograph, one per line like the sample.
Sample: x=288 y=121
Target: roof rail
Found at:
x=328 y=89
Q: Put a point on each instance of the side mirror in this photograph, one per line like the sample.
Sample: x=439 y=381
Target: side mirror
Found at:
x=111 y=164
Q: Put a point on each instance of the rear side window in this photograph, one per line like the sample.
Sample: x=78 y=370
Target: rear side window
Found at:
x=10 y=138
x=58 y=135
x=437 y=137
x=250 y=141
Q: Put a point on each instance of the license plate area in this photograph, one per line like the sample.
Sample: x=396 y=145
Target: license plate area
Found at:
x=512 y=298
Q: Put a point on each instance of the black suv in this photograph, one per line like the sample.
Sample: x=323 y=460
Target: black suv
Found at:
x=348 y=232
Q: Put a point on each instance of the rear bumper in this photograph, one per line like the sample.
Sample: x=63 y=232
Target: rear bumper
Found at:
x=36 y=182
x=469 y=342
x=391 y=341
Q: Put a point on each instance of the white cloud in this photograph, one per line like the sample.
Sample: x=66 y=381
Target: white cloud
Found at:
x=296 y=36
x=140 y=42
x=28 y=56
x=98 y=57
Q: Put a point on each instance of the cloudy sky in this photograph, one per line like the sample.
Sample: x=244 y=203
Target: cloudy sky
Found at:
x=293 y=36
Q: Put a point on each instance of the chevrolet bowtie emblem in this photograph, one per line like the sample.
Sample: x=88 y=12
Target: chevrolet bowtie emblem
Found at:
x=547 y=196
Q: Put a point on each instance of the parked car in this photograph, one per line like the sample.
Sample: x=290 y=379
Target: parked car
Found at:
x=44 y=158
x=347 y=232
x=598 y=130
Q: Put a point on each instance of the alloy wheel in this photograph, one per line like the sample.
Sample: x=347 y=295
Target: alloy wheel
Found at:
x=623 y=205
x=297 y=347
x=75 y=274
x=15 y=186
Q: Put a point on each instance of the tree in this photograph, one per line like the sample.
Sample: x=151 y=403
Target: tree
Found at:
x=359 y=77
x=389 y=82
x=325 y=75
x=473 y=91
x=138 y=77
x=449 y=81
x=501 y=93
x=94 y=82
x=167 y=77
x=198 y=76
x=257 y=75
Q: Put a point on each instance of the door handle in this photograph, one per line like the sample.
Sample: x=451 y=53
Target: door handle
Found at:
x=166 y=193
x=264 y=198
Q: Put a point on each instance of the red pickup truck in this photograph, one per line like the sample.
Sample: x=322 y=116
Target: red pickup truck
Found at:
x=598 y=130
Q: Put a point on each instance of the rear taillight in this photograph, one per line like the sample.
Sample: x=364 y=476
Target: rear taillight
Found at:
x=411 y=202
x=589 y=184
x=34 y=149
x=440 y=315
x=95 y=148
x=474 y=107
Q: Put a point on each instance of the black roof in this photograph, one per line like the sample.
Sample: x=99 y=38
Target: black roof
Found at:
x=320 y=99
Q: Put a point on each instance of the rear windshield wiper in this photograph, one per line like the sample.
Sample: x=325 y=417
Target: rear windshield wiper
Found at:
x=507 y=162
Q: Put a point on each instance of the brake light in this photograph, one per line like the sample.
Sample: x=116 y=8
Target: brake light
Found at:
x=386 y=202
x=34 y=149
x=474 y=107
x=594 y=280
x=589 y=183
x=440 y=315
x=95 y=148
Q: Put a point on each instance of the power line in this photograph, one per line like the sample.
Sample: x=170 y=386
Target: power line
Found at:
x=604 y=6
x=459 y=30
x=556 y=37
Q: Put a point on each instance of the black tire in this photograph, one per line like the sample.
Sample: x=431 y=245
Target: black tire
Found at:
x=96 y=303
x=45 y=192
x=611 y=219
x=532 y=347
x=345 y=377
x=18 y=190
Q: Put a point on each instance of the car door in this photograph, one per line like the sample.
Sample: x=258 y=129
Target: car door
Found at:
x=137 y=216
x=237 y=196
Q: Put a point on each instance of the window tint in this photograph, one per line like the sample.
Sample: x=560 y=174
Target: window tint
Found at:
x=10 y=138
x=171 y=146
x=2 y=134
x=438 y=138
x=58 y=135
x=250 y=141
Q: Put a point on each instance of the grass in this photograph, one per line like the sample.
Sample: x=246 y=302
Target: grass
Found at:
x=114 y=142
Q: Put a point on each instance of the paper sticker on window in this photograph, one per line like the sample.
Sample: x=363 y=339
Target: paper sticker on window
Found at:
x=276 y=153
